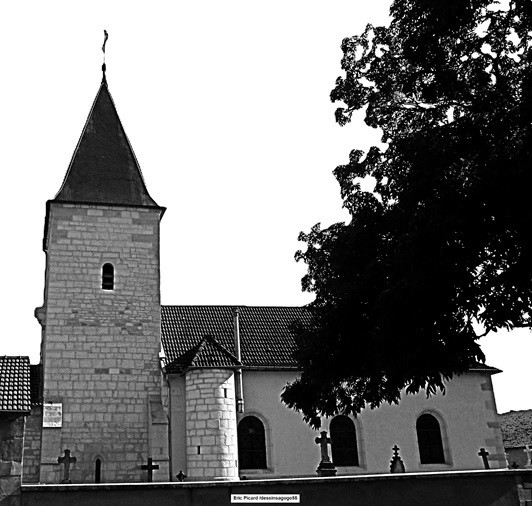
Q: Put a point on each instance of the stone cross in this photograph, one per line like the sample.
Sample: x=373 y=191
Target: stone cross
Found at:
x=396 y=464
x=484 y=454
x=528 y=452
x=323 y=441
x=326 y=467
x=150 y=467
x=66 y=461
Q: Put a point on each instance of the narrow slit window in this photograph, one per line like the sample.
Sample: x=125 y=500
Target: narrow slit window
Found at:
x=108 y=277
x=98 y=471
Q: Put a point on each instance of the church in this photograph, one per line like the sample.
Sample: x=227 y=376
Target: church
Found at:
x=129 y=390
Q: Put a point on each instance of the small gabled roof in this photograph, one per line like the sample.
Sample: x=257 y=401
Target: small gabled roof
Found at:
x=266 y=339
x=15 y=392
x=104 y=169
x=208 y=353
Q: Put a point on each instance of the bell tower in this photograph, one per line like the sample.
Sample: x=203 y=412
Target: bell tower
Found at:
x=101 y=314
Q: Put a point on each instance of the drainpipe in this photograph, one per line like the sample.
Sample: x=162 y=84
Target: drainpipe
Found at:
x=239 y=390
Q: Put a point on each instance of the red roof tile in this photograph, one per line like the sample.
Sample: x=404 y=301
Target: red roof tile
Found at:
x=15 y=384
x=265 y=335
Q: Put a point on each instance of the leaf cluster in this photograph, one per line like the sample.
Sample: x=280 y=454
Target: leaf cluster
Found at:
x=442 y=246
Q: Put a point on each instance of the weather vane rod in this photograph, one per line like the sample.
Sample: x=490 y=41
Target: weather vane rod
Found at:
x=104 y=68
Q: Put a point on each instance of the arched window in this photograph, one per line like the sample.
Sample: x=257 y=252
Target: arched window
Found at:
x=251 y=443
x=343 y=441
x=108 y=277
x=429 y=440
x=97 y=471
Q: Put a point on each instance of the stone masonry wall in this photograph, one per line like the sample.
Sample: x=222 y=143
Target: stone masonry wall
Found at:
x=11 y=445
x=211 y=425
x=32 y=446
x=100 y=347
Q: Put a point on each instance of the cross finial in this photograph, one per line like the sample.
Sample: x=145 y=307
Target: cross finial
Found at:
x=396 y=464
x=104 y=67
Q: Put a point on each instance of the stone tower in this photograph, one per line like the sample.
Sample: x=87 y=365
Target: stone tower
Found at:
x=101 y=314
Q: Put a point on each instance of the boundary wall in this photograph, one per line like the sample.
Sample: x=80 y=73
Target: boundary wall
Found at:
x=478 y=488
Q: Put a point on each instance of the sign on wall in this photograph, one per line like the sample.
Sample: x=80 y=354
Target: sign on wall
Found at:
x=52 y=415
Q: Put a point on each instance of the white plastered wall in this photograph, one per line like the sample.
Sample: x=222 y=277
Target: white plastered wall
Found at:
x=467 y=416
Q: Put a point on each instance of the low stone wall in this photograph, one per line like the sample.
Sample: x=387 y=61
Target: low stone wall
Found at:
x=478 y=488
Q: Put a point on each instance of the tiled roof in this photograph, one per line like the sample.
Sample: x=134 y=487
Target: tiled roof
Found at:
x=207 y=353
x=104 y=168
x=516 y=428
x=265 y=336
x=15 y=384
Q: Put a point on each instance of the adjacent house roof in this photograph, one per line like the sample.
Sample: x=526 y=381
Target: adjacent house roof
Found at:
x=265 y=335
x=516 y=428
x=104 y=168
x=15 y=384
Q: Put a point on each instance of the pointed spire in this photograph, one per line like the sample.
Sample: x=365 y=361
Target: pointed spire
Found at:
x=104 y=168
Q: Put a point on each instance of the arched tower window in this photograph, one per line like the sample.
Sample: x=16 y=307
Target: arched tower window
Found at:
x=429 y=440
x=343 y=441
x=251 y=443
x=108 y=277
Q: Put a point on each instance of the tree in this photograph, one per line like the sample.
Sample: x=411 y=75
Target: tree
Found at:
x=442 y=246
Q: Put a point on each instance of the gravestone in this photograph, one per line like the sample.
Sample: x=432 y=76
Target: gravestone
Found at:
x=396 y=464
x=484 y=454
x=528 y=452
x=150 y=467
x=66 y=460
x=326 y=467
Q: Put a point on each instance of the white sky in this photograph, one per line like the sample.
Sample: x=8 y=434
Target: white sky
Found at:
x=227 y=107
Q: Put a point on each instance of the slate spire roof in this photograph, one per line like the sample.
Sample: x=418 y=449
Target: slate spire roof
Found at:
x=104 y=169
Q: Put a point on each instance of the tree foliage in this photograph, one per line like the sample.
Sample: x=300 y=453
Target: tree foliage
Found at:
x=442 y=246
